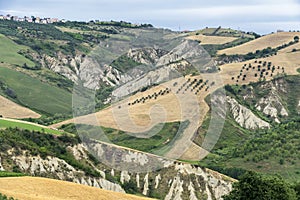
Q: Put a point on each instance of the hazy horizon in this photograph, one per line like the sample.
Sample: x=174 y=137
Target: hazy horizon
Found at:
x=259 y=16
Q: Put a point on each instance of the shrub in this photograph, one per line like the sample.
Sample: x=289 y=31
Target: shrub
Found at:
x=253 y=186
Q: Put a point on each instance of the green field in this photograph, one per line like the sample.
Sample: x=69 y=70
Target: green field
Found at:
x=12 y=124
x=9 y=52
x=157 y=143
x=35 y=94
x=273 y=151
x=10 y=174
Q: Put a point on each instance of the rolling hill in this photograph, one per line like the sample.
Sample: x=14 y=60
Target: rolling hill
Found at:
x=9 y=52
x=12 y=110
x=203 y=39
x=34 y=188
x=265 y=149
x=65 y=157
x=272 y=40
x=33 y=93
x=13 y=123
x=143 y=114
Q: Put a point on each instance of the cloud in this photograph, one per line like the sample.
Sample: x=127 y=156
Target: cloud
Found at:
x=254 y=11
x=20 y=12
x=190 y=14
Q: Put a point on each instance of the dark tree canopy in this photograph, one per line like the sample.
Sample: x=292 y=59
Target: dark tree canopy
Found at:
x=253 y=186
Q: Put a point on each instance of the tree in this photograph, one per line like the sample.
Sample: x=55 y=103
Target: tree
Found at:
x=33 y=18
x=297 y=189
x=25 y=66
x=253 y=186
x=3 y=197
x=296 y=38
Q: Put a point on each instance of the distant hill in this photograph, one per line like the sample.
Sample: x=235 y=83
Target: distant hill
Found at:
x=272 y=40
x=203 y=39
x=150 y=102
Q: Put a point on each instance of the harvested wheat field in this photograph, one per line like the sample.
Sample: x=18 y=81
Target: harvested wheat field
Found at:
x=290 y=48
x=186 y=104
x=10 y=109
x=33 y=188
x=211 y=39
x=174 y=106
x=271 y=40
x=170 y=107
x=289 y=61
x=179 y=106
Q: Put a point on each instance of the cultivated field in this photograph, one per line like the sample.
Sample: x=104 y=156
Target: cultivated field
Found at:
x=290 y=62
x=12 y=110
x=228 y=32
x=176 y=106
x=12 y=123
x=211 y=39
x=30 y=188
x=271 y=40
x=171 y=107
x=36 y=94
x=9 y=52
x=179 y=106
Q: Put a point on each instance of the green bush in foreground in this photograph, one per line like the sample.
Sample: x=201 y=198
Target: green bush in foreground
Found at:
x=253 y=186
x=3 y=197
x=10 y=174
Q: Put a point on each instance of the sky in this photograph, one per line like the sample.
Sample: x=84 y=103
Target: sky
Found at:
x=261 y=16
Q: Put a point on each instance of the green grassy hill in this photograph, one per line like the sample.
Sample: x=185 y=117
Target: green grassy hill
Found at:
x=44 y=91
x=6 y=123
x=9 y=52
x=273 y=151
x=157 y=143
x=228 y=32
x=33 y=93
x=22 y=77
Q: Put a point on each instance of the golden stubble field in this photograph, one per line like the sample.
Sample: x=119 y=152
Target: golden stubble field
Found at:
x=184 y=105
x=33 y=188
x=211 y=39
x=10 y=109
x=171 y=107
x=177 y=107
x=271 y=40
x=290 y=62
